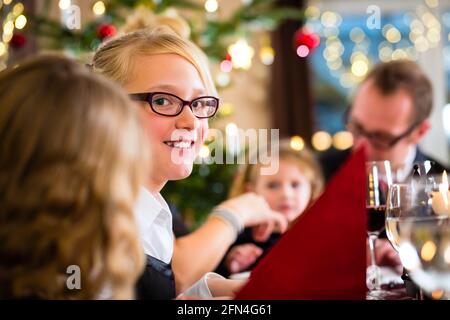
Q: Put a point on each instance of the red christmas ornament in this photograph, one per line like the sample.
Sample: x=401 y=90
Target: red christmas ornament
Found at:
x=106 y=31
x=18 y=40
x=306 y=38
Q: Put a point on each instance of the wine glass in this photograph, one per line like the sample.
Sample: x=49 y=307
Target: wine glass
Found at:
x=397 y=208
x=378 y=180
x=424 y=245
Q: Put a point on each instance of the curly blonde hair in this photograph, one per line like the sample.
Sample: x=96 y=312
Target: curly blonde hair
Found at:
x=72 y=160
x=248 y=173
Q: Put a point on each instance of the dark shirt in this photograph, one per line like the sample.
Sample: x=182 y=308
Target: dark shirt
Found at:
x=332 y=160
x=247 y=237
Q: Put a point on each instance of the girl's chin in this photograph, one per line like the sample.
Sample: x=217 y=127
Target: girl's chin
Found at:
x=182 y=171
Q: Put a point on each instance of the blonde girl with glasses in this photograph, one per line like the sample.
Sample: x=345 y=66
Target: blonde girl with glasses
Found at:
x=169 y=77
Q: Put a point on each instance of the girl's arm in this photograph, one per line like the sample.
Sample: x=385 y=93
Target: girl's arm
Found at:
x=202 y=250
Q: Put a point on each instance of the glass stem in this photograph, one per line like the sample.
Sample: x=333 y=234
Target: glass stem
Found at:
x=372 y=239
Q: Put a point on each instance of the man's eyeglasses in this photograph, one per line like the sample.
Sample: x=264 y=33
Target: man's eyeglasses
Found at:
x=170 y=105
x=379 y=140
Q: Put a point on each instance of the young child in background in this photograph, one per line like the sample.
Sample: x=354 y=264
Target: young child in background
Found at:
x=296 y=184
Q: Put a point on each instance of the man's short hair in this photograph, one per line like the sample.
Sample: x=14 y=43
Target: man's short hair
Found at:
x=405 y=75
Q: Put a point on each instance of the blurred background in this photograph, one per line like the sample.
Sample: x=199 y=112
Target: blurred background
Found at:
x=288 y=64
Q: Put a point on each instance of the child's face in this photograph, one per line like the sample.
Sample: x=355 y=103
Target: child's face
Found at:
x=288 y=191
x=173 y=74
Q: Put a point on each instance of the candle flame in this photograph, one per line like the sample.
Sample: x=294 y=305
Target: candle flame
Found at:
x=445 y=180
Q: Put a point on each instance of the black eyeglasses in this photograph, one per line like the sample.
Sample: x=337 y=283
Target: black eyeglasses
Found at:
x=170 y=105
x=378 y=139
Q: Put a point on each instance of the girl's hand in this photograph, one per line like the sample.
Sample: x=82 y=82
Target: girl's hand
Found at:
x=242 y=256
x=253 y=211
x=225 y=288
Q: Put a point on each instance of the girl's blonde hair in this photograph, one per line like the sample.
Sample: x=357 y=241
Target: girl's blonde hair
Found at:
x=115 y=59
x=72 y=160
x=248 y=174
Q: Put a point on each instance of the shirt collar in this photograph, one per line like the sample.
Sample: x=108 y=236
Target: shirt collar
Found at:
x=408 y=164
x=155 y=225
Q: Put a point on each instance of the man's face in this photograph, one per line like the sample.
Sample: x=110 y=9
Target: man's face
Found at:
x=385 y=115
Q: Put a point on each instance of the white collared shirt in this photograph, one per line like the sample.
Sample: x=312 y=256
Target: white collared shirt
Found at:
x=408 y=164
x=154 y=221
x=155 y=225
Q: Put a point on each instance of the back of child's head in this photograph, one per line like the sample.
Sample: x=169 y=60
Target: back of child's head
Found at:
x=72 y=160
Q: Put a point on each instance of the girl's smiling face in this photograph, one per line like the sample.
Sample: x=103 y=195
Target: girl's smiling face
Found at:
x=175 y=141
x=288 y=191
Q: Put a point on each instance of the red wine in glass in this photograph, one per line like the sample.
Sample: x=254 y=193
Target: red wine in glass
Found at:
x=376 y=219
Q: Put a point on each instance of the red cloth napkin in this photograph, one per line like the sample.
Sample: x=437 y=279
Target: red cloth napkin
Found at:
x=323 y=256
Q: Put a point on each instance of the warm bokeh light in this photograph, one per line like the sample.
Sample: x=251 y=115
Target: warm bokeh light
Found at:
x=385 y=52
x=392 y=34
x=321 y=140
x=211 y=5
x=437 y=294
x=434 y=35
x=226 y=109
x=312 y=12
x=2 y=49
x=447 y=254
x=357 y=35
x=331 y=19
x=335 y=64
x=421 y=44
x=428 y=251
x=360 y=68
x=343 y=140
x=432 y=3
x=8 y=28
x=64 y=4
x=267 y=55
x=297 y=143
x=21 y=21
x=7 y=37
x=241 y=54
x=99 y=8
x=18 y=9
x=399 y=54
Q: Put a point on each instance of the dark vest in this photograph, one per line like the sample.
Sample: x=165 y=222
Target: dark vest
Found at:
x=157 y=282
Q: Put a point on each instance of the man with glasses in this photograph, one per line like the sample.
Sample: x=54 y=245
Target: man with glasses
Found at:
x=389 y=114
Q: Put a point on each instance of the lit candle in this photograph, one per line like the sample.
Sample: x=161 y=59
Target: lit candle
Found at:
x=441 y=198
